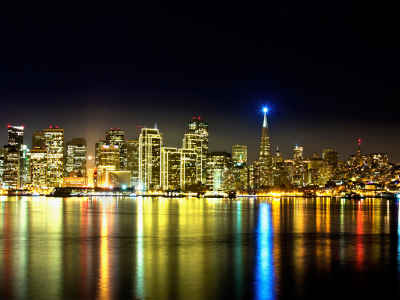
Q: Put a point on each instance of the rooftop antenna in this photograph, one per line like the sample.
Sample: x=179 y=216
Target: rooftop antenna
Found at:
x=155 y=125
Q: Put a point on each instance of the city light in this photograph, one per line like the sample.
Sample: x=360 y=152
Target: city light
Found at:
x=265 y=109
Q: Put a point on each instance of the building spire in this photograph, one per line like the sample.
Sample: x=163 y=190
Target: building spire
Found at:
x=265 y=124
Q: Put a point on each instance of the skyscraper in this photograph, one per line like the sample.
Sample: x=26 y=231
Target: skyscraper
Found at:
x=16 y=136
x=297 y=155
x=170 y=168
x=217 y=162
x=132 y=160
x=239 y=154
x=198 y=126
x=11 y=179
x=195 y=142
x=38 y=169
x=76 y=156
x=188 y=168
x=359 y=158
x=265 y=159
x=150 y=142
x=116 y=137
x=38 y=140
x=54 y=144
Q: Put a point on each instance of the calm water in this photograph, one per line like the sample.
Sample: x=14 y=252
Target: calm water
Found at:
x=189 y=248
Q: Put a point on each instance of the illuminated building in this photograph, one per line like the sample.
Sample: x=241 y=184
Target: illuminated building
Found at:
x=170 y=169
x=11 y=179
x=116 y=137
x=109 y=156
x=265 y=159
x=25 y=164
x=38 y=140
x=195 y=142
x=54 y=144
x=239 y=177
x=90 y=173
x=278 y=156
x=281 y=175
x=331 y=158
x=188 y=168
x=95 y=178
x=76 y=156
x=379 y=159
x=239 y=154
x=118 y=178
x=198 y=126
x=150 y=142
x=75 y=181
x=298 y=155
x=216 y=161
x=326 y=150
x=132 y=160
x=16 y=136
x=251 y=177
x=98 y=147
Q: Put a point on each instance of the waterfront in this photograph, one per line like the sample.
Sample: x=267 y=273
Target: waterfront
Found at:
x=189 y=248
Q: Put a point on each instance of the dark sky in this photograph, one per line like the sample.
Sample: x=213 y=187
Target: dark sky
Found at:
x=329 y=72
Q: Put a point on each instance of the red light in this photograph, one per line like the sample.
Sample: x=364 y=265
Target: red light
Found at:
x=8 y=126
x=359 y=140
x=50 y=126
x=57 y=127
x=199 y=118
x=194 y=118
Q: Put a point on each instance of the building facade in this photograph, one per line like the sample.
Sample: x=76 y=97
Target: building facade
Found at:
x=54 y=144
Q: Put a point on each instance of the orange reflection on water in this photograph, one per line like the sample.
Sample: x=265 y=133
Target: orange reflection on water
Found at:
x=104 y=285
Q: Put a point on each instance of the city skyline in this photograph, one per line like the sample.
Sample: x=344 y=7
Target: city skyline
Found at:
x=174 y=139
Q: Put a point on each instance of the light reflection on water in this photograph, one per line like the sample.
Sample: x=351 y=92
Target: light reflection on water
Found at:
x=189 y=248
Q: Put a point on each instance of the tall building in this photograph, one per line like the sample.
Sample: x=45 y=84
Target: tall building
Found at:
x=265 y=159
x=198 y=126
x=188 y=168
x=11 y=178
x=195 y=142
x=54 y=144
x=217 y=162
x=239 y=155
x=170 y=168
x=38 y=140
x=324 y=151
x=150 y=142
x=16 y=136
x=76 y=156
x=331 y=158
x=278 y=156
x=98 y=147
x=297 y=155
x=38 y=167
x=116 y=137
x=132 y=160
x=108 y=161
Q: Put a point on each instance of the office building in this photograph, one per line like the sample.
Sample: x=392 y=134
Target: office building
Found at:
x=278 y=156
x=188 y=160
x=239 y=155
x=116 y=137
x=150 y=142
x=195 y=142
x=199 y=127
x=379 y=159
x=16 y=136
x=54 y=144
x=132 y=160
x=97 y=150
x=109 y=156
x=76 y=156
x=326 y=150
x=217 y=161
x=170 y=169
x=265 y=159
x=297 y=155
x=331 y=158
x=38 y=140
x=11 y=178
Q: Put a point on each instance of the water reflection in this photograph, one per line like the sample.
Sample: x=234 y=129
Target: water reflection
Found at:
x=189 y=248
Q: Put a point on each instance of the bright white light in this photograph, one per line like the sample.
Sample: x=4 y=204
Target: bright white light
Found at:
x=265 y=109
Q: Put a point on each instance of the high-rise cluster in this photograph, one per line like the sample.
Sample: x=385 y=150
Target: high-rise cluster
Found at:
x=147 y=165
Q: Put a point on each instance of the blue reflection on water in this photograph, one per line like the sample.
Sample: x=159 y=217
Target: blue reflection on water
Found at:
x=264 y=275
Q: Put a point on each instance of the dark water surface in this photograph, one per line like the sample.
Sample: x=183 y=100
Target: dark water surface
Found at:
x=189 y=248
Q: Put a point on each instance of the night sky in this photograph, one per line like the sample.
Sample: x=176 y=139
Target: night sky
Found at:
x=329 y=73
